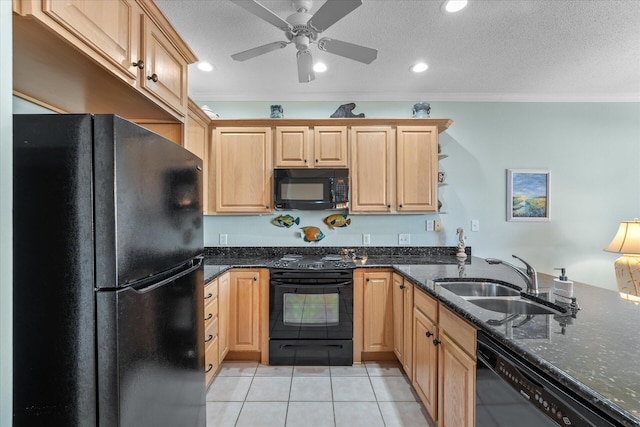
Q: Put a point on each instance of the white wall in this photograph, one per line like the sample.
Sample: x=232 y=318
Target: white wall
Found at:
x=6 y=243
x=591 y=149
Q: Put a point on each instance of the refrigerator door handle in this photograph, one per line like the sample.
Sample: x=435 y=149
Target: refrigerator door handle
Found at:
x=197 y=262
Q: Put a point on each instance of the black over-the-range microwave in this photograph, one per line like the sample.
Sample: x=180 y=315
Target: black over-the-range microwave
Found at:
x=311 y=189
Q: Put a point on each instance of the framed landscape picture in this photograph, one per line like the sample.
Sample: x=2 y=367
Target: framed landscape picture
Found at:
x=528 y=195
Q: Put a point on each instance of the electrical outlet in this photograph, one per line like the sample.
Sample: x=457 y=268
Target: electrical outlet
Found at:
x=366 y=239
x=404 y=239
x=437 y=225
x=429 y=225
x=475 y=225
x=223 y=240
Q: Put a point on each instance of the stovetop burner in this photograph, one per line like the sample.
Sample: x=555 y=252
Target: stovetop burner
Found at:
x=325 y=262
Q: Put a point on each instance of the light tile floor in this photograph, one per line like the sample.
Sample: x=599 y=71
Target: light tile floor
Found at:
x=370 y=395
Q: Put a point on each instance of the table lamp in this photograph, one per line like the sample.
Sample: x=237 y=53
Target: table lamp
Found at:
x=627 y=267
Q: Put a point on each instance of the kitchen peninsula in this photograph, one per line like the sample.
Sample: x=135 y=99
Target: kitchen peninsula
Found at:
x=587 y=351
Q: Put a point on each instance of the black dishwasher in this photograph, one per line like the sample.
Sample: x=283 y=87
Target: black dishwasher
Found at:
x=508 y=393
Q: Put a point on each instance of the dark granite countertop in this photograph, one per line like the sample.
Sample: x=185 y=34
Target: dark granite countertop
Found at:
x=593 y=352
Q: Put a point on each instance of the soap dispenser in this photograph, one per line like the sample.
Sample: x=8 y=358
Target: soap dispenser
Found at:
x=563 y=288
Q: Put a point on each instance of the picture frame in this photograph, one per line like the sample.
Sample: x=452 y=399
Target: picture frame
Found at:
x=528 y=195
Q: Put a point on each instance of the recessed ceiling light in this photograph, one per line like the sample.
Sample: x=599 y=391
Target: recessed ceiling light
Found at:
x=319 y=67
x=419 y=67
x=452 y=6
x=205 y=66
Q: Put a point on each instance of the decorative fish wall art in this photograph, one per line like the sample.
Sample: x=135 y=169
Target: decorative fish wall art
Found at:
x=285 y=221
x=337 y=220
x=312 y=234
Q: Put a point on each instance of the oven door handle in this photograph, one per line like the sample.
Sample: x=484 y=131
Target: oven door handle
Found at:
x=307 y=347
x=315 y=285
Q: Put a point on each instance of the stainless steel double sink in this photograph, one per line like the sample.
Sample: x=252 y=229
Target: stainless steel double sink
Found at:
x=497 y=296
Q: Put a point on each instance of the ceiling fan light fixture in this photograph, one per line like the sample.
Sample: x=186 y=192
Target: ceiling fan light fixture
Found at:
x=419 y=67
x=319 y=67
x=453 y=6
x=205 y=66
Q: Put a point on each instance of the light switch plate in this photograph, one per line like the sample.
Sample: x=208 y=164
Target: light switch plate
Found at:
x=223 y=239
x=475 y=225
x=366 y=239
x=437 y=225
x=404 y=239
x=429 y=225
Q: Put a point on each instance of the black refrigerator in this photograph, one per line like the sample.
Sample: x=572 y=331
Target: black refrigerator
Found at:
x=108 y=275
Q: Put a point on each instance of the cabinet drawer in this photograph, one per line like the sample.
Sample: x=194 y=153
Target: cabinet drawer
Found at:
x=459 y=330
x=427 y=305
x=211 y=360
x=210 y=312
x=210 y=291
x=211 y=331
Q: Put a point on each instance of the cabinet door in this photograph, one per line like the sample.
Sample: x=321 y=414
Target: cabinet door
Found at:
x=330 y=146
x=372 y=168
x=417 y=169
x=244 y=310
x=456 y=385
x=165 y=71
x=198 y=143
x=243 y=170
x=110 y=28
x=407 y=353
x=223 y=315
x=425 y=361
x=398 y=317
x=292 y=147
x=378 y=312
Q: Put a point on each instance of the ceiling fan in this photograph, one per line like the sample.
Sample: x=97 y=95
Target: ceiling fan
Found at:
x=302 y=29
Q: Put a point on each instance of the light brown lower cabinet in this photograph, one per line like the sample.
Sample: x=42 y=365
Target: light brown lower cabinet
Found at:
x=249 y=312
x=403 y=322
x=444 y=362
x=211 y=324
x=373 y=311
x=223 y=315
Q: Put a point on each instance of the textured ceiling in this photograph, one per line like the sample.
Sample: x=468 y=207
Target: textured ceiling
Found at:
x=493 y=50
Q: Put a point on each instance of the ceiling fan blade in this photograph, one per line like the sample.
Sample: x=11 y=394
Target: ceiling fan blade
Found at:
x=348 y=50
x=305 y=67
x=262 y=12
x=331 y=12
x=257 y=51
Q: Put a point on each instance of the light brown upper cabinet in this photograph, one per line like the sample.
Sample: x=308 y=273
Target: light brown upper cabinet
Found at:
x=303 y=147
x=243 y=170
x=197 y=142
x=416 y=169
x=164 y=75
x=73 y=56
x=394 y=170
x=372 y=168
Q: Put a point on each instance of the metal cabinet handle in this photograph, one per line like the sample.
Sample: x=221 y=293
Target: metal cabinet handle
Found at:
x=429 y=334
x=402 y=286
x=153 y=77
x=400 y=206
x=437 y=342
x=316 y=160
x=255 y=279
x=139 y=64
x=367 y=279
x=305 y=160
x=209 y=338
x=209 y=316
x=210 y=367
x=208 y=296
x=388 y=206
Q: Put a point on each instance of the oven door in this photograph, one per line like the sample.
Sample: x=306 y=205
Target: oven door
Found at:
x=311 y=317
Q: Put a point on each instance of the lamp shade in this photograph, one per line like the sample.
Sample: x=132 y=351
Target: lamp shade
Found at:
x=627 y=239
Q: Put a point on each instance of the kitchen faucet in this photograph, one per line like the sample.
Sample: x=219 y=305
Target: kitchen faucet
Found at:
x=529 y=276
